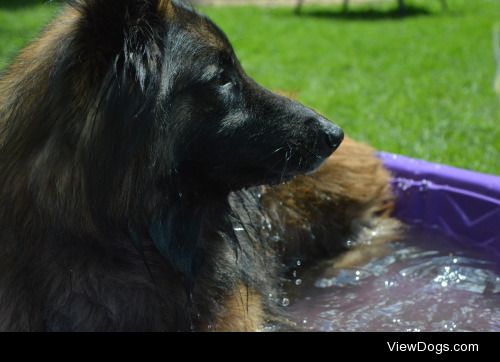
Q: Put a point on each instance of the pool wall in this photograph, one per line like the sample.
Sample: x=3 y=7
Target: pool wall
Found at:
x=461 y=204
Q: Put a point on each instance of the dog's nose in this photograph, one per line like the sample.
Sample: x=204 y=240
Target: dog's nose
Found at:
x=330 y=136
x=333 y=134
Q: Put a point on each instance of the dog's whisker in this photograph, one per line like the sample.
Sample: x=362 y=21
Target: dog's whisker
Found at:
x=288 y=156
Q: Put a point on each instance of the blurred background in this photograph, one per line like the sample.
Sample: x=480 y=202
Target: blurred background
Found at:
x=415 y=77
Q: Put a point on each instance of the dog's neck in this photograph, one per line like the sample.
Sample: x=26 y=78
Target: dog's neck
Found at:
x=178 y=230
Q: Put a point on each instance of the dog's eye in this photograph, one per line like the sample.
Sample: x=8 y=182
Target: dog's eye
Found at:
x=223 y=78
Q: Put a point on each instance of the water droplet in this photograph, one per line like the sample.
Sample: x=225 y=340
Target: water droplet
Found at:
x=412 y=329
x=294 y=273
x=304 y=321
x=455 y=260
x=298 y=282
x=450 y=326
x=238 y=229
x=285 y=302
x=404 y=184
x=358 y=272
x=424 y=185
x=275 y=238
x=348 y=243
x=444 y=283
x=299 y=263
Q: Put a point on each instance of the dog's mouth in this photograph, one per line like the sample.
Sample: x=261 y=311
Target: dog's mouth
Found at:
x=278 y=164
x=304 y=164
x=281 y=169
x=306 y=160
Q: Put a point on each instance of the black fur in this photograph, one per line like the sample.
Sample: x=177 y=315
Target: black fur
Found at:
x=123 y=146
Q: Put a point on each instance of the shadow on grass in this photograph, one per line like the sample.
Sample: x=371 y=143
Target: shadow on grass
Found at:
x=366 y=14
x=13 y=4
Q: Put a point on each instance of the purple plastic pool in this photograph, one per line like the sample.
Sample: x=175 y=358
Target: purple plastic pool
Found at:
x=460 y=204
x=444 y=277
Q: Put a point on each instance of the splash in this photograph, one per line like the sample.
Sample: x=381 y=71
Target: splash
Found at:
x=426 y=283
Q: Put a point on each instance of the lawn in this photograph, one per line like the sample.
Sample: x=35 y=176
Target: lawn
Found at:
x=421 y=85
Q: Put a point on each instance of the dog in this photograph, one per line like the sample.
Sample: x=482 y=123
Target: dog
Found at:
x=148 y=184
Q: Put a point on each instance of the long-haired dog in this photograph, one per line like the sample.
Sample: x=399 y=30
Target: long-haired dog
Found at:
x=148 y=184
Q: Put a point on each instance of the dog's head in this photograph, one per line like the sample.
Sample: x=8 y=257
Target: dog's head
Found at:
x=212 y=125
x=139 y=94
x=235 y=133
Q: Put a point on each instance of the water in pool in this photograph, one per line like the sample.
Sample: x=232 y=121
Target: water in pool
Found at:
x=424 y=284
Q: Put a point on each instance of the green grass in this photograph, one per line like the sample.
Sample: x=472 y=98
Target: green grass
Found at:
x=421 y=85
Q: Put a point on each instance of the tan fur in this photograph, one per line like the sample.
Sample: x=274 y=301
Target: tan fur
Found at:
x=26 y=82
x=352 y=173
x=355 y=173
x=350 y=192
x=167 y=9
x=287 y=93
x=32 y=60
x=199 y=28
x=242 y=312
x=352 y=183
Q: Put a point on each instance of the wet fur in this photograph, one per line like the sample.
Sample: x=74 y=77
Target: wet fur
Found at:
x=99 y=231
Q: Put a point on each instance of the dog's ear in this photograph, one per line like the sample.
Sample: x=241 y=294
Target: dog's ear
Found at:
x=113 y=66
x=108 y=29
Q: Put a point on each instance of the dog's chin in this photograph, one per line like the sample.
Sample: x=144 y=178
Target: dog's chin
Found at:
x=315 y=167
x=289 y=174
x=278 y=175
